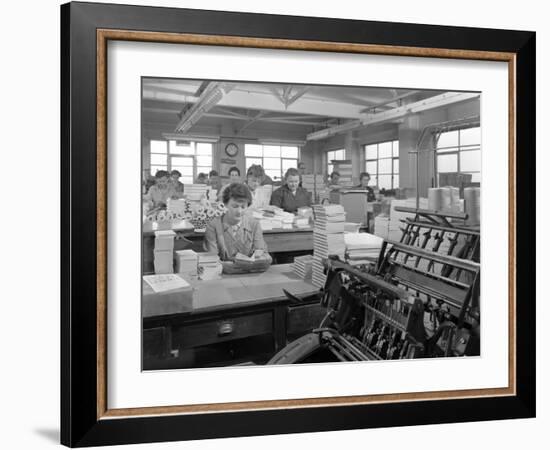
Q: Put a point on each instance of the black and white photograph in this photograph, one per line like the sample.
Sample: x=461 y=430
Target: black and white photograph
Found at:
x=285 y=223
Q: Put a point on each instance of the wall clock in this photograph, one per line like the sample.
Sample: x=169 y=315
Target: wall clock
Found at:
x=231 y=149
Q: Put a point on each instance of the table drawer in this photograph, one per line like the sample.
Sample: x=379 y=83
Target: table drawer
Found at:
x=211 y=331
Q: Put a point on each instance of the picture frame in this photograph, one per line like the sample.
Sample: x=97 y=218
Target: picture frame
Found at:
x=86 y=28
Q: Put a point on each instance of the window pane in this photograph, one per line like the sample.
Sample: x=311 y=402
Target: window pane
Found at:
x=395 y=181
x=204 y=148
x=251 y=161
x=470 y=161
x=181 y=148
x=395 y=165
x=289 y=152
x=289 y=163
x=448 y=139
x=384 y=165
x=340 y=154
x=371 y=168
x=204 y=169
x=470 y=136
x=158 y=159
x=384 y=181
x=252 y=150
x=155 y=168
x=181 y=161
x=158 y=147
x=330 y=168
x=476 y=177
x=447 y=163
x=272 y=151
x=395 y=148
x=272 y=163
x=371 y=151
x=186 y=171
x=384 y=150
x=204 y=160
x=274 y=174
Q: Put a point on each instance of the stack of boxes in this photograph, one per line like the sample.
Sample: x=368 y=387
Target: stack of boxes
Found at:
x=345 y=168
x=186 y=262
x=303 y=266
x=313 y=184
x=328 y=238
x=164 y=251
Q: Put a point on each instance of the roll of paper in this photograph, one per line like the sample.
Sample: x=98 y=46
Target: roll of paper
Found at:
x=472 y=205
x=439 y=199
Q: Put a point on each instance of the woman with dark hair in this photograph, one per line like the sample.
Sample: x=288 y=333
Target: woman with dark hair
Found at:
x=364 y=178
x=291 y=196
x=234 y=177
x=175 y=176
x=236 y=232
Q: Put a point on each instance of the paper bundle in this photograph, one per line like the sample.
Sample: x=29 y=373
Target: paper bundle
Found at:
x=318 y=277
x=195 y=192
x=164 y=252
x=209 y=266
x=303 y=266
x=186 y=262
x=362 y=248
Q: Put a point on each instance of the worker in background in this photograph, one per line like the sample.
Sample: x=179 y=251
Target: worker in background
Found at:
x=214 y=180
x=334 y=180
x=364 y=179
x=201 y=178
x=254 y=176
x=234 y=177
x=291 y=196
x=236 y=232
x=161 y=191
x=175 y=175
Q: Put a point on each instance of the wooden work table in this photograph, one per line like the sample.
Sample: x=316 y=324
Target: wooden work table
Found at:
x=219 y=311
x=277 y=240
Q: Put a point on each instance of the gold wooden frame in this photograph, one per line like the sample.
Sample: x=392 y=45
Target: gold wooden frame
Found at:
x=104 y=35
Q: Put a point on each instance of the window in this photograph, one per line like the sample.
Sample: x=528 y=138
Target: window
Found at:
x=190 y=158
x=459 y=151
x=275 y=159
x=334 y=154
x=382 y=163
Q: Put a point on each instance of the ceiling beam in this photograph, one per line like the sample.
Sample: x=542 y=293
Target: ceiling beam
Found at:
x=436 y=101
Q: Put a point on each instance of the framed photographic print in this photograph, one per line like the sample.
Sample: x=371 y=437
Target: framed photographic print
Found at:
x=278 y=224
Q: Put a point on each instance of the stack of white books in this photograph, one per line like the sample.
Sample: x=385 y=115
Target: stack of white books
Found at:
x=362 y=248
x=302 y=266
x=301 y=222
x=164 y=251
x=186 y=262
x=382 y=226
x=176 y=206
x=328 y=238
x=318 y=277
x=209 y=266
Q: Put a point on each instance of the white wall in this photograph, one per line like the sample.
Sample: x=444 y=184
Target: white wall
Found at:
x=30 y=249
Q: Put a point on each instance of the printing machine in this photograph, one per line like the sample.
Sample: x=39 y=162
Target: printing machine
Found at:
x=420 y=300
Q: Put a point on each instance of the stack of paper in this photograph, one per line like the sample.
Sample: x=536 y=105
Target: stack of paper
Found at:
x=344 y=168
x=382 y=226
x=327 y=244
x=176 y=206
x=209 y=266
x=186 y=262
x=318 y=277
x=303 y=266
x=362 y=248
x=328 y=238
x=166 y=282
x=164 y=252
x=302 y=222
x=314 y=184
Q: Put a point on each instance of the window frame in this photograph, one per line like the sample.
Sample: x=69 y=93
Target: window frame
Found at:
x=280 y=158
x=456 y=150
x=394 y=159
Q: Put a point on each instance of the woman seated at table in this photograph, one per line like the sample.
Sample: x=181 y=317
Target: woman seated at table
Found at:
x=234 y=177
x=291 y=196
x=161 y=191
x=254 y=176
x=236 y=232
